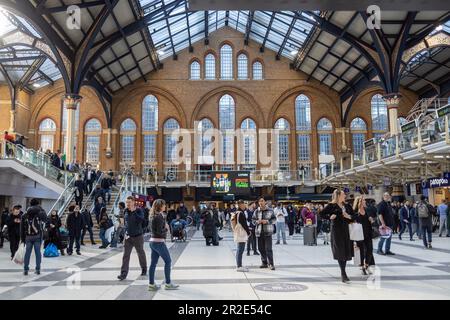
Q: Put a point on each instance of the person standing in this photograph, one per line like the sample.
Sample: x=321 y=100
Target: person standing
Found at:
x=158 y=246
x=264 y=220
x=210 y=225
x=118 y=234
x=31 y=234
x=196 y=216
x=182 y=211
x=415 y=221
x=291 y=219
x=89 y=178
x=74 y=226
x=251 y=242
x=104 y=223
x=405 y=220
x=53 y=224
x=443 y=222
x=106 y=185
x=241 y=232
x=281 y=214
x=341 y=245
x=88 y=224
x=426 y=221
x=365 y=246
x=79 y=190
x=99 y=205
x=13 y=223
x=3 y=220
x=386 y=216
x=134 y=238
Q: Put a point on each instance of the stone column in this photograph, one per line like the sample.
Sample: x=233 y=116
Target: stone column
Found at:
x=12 y=121
x=392 y=101
x=71 y=102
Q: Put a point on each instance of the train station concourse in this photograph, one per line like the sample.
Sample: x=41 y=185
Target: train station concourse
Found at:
x=224 y=150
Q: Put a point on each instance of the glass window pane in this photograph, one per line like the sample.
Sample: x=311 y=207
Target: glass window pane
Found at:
x=92 y=149
x=47 y=125
x=150 y=113
x=226 y=62
x=149 y=148
x=127 y=148
x=358 y=124
x=282 y=124
x=303 y=151
x=325 y=144
x=358 y=144
x=47 y=142
x=324 y=124
x=242 y=67
x=195 y=70
x=379 y=113
x=128 y=125
x=93 y=125
x=210 y=67
x=302 y=113
x=226 y=112
x=257 y=71
x=77 y=119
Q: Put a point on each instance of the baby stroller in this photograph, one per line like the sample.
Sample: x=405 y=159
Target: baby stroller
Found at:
x=178 y=230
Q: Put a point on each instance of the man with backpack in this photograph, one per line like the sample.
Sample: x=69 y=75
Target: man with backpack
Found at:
x=31 y=234
x=425 y=214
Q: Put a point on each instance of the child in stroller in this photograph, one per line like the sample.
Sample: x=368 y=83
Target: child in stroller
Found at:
x=178 y=229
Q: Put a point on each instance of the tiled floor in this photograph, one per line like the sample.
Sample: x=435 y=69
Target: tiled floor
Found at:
x=209 y=273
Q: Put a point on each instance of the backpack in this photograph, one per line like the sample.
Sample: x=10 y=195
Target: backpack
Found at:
x=422 y=210
x=34 y=226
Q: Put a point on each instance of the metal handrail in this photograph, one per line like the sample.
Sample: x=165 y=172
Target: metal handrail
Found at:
x=123 y=185
x=67 y=200
x=99 y=179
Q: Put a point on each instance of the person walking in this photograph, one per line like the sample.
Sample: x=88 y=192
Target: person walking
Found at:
x=74 y=226
x=99 y=205
x=424 y=213
x=159 y=229
x=79 y=191
x=415 y=221
x=13 y=222
x=386 y=216
x=89 y=178
x=341 y=245
x=443 y=222
x=106 y=185
x=3 y=220
x=241 y=232
x=281 y=214
x=365 y=246
x=291 y=219
x=104 y=223
x=251 y=242
x=405 y=220
x=53 y=224
x=88 y=224
x=196 y=217
x=134 y=238
x=264 y=220
x=31 y=234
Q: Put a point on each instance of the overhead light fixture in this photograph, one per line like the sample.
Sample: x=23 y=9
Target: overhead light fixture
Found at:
x=160 y=52
x=36 y=85
x=294 y=52
x=439 y=27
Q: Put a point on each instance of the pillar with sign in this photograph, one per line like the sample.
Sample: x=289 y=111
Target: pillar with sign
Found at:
x=71 y=102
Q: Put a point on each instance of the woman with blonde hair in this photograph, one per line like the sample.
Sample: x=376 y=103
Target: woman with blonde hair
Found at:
x=340 y=216
x=158 y=246
x=365 y=246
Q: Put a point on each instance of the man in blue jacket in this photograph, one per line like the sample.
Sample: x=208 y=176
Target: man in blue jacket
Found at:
x=405 y=220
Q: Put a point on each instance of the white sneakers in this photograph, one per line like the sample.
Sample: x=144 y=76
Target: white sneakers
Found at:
x=242 y=269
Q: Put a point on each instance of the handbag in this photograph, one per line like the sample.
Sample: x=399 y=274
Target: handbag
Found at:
x=356 y=231
x=239 y=233
x=385 y=232
x=19 y=255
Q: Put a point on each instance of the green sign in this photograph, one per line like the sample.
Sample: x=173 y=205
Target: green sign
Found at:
x=443 y=111
x=409 y=126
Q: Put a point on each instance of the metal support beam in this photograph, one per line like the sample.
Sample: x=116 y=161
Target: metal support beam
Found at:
x=206 y=18
x=286 y=37
x=248 y=27
x=30 y=72
x=261 y=49
x=65 y=7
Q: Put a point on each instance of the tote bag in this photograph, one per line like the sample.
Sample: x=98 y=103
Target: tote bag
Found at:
x=239 y=233
x=356 y=231
x=20 y=254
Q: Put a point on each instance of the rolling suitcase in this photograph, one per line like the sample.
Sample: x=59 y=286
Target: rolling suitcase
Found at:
x=309 y=236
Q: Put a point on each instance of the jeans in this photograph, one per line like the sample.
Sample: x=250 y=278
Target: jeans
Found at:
x=215 y=236
x=130 y=243
x=91 y=234
x=105 y=242
x=107 y=192
x=159 y=249
x=443 y=225
x=73 y=239
x=29 y=245
x=403 y=226
x=251 y=242
x=426 y=230
x=265 y=249
x=239 y=253
x=388 y=244
x=281 y=229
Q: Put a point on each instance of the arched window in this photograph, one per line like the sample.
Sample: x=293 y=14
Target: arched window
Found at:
x=257 y=70
x=282 y=126
x=379 y=114
x=248 y=156
x=210 y=67
x=205 y=141
x=242 y=67
x=226 y=62
x=92 y=132
x=358 y=129
x=324 y=124
x=127 y=141
x=149 y=131
x=170 y=142
x=302 y=113
x=47 y=131
x=324 y=131
x=227 y=122
x=195 y=70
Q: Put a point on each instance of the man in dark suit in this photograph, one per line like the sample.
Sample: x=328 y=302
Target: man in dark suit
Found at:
x=89 y=178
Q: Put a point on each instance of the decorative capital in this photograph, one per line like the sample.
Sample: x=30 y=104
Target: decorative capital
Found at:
x=392 y=100
x=72 y=101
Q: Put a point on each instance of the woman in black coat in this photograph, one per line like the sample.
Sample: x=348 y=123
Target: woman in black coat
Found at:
x=210 y=220
x=340 y=215
x=53 y=224
x=365 y=246
x=13 y=223
x=75 y=223
x=78 y=192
